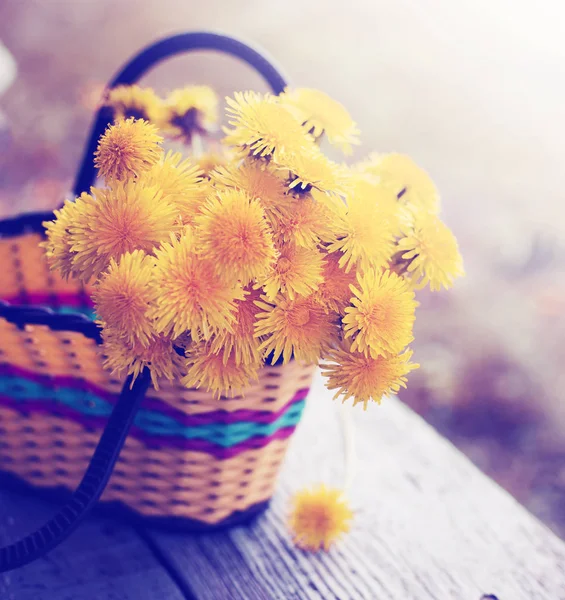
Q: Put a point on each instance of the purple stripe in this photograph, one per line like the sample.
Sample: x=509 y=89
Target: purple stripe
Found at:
x=224 y=416
x=53 y=409
x=151 y=441
x=218 y=416
x=258 y=441
x=58 y=381
x=73 y=300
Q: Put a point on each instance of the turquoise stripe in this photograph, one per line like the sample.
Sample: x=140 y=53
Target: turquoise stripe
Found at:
x=73 y=310
x=223 y=434
x=153 y=422
x=80 y=400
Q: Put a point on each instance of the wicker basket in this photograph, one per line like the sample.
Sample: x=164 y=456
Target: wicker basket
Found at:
x=199 y=460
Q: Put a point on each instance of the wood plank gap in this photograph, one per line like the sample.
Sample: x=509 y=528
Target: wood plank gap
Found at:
x=166 y=563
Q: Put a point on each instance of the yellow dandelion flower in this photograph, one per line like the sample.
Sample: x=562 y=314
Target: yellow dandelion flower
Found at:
x=133 y=101
x=175 y=177
x=262 y=125
x=334 y=206
x=189 y=111
x=309 y=223
x=259 y=181
x=234 y=235
x=310 y=168
x=190 y=206
x=59 y=237
x=123 y=218
x=189 y=294
x=123 y=295
x=297 y=272
x=409 y=182
x=125 y=358
x=241 y=341
x=365 y=378
x=319 y=516
x=390 y=209
x=382 y=313
x=127 y=149
x=366 y=231
x=205 y=368
x=334 y=291
x=181 y=183
x=433 y=253
x=299 y=329
x=322 y=114
x=211 y=160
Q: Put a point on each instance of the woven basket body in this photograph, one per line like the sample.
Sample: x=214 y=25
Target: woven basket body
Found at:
x=188 y=455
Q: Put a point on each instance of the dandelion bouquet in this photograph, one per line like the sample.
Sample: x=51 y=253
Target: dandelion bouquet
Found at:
x=257 y=248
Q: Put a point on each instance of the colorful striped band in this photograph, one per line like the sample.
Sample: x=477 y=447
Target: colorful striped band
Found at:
x=157 y=424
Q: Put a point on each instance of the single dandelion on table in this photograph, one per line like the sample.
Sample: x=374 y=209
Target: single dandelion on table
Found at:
x=133 y=101
x=122 y=296
x=299 y=329
x=233 y=234
x=365 y=378
x=190 y=295
x=432 y=254
x=381 y=315
x=319 y=517
x=320 y=115
x=127 y=149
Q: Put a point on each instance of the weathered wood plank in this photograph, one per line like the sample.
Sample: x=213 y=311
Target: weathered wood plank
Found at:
x=102 y=560
x=428 y=524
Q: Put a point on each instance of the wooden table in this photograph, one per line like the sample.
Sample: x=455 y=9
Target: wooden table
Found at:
x=428 y=524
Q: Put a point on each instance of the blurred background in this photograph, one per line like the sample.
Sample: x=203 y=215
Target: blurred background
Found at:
x=473 y=90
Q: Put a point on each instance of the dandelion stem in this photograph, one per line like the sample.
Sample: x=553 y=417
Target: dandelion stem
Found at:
x=196 y=145
x=350 y=457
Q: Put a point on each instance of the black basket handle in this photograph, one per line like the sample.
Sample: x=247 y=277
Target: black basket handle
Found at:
x=112 y=440
x=97 y=474
x=153 y=55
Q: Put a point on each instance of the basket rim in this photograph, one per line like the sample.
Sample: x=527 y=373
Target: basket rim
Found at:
x=27 y=314
x=32 y=314
x=25 y=223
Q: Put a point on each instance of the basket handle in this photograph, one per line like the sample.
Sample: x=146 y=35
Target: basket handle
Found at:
x=97 y=474
x=112 y=440
x=153 y=55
